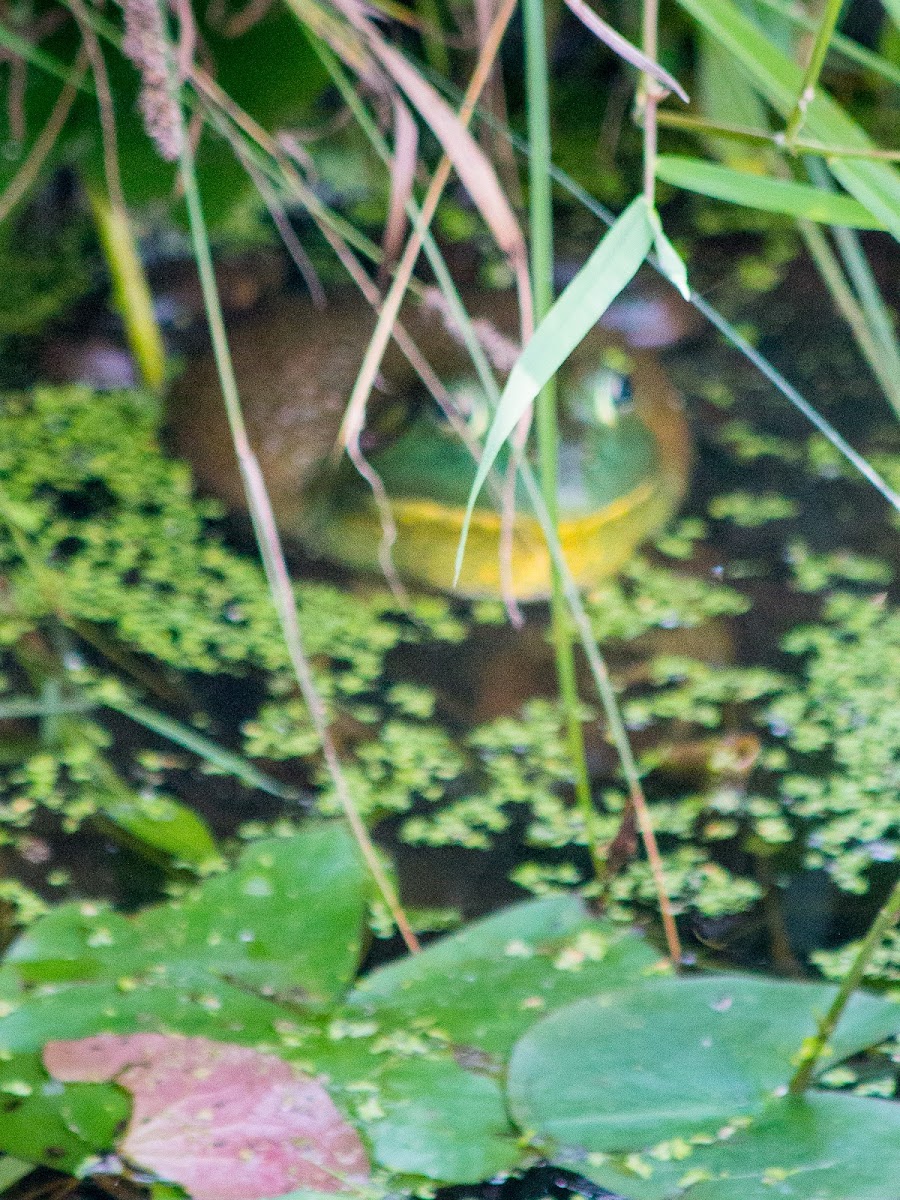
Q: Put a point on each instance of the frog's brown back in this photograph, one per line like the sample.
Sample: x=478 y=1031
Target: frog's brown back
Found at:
x=295 y=366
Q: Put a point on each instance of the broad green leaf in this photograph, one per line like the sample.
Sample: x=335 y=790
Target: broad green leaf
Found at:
x=876 y=185
x=203 y=1006
x=53 y=1125
x=825 y=1146
x=423 y=1110
x=71 y=943
x=762 y=192
x=821 y=1147
x=442 y=1122
x=288 y=917
x=63 y=1125
x=893 y=10
x=674 y=1057
x=538 y=956
x=584 y=301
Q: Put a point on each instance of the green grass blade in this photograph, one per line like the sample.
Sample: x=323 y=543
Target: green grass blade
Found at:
x=584 y=301
x=218 y=757
x=876 y=185
x=22 y=48
x=763 y=192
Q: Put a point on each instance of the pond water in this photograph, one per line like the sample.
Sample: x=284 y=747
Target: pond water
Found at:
x=767 y=504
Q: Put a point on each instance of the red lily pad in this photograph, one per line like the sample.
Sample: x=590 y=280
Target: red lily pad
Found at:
x=225 y=1122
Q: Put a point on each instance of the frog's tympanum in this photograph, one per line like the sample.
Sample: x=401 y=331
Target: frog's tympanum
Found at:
x=623 y=465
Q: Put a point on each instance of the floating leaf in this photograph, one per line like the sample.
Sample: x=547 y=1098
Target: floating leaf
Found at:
x=289 y=916
x=442 y=1121
x=538 y=955
x=47 y=1124
x=202 y=1005
x=70 y=942
x=820 y=1147
x=578 y=309
x=412 y=1095
x=254 y=924
x=225 y=1122
x=761 y=192
x=674 y=1057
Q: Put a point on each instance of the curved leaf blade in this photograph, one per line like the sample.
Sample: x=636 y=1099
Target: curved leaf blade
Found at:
x=612 y=265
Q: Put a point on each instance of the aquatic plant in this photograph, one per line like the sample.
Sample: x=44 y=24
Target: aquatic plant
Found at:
x=116 y=586
x=441 y=1084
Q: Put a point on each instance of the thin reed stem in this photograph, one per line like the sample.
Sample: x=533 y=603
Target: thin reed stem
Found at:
x=815 y=1047
x=807 y=92
x=540 y=209
x=764 y=137
x=131 y=292
x=651 y=94
x=265 y=529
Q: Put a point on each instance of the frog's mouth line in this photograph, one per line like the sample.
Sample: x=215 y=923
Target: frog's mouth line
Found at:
x=527 y=529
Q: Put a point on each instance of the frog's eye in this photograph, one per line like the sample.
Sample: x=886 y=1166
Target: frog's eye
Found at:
x=610 y=396
x=471 y=404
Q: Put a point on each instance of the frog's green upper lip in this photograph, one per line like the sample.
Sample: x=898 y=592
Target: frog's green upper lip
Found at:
x=426 y=463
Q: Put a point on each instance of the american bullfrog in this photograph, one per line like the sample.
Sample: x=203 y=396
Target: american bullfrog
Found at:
x=624 y=454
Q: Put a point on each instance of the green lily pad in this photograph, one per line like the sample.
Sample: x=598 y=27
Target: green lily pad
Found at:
x=537 y=956
x=71 y=942
x=442 y=1122
x=287 y=918
x=204 y=1006
x=51 y=1124
x=674 y=1057
x=820 y=1147
x=424 y=1111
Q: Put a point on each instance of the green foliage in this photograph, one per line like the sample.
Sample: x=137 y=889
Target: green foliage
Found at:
x=270 y=70
x=115 y=542
x=101 y=533
x=420 y=1056
x=725 y=1055
x=841 y=728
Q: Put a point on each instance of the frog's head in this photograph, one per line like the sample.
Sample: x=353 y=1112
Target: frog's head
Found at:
x=623 y=464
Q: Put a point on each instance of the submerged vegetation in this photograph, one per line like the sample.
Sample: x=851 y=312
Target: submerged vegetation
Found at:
x=233 y=782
